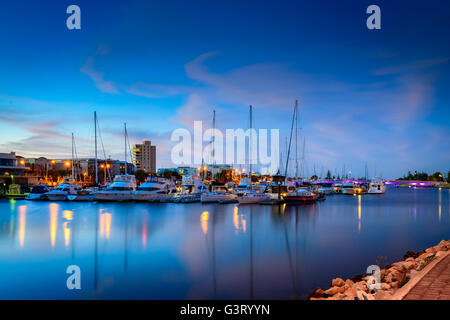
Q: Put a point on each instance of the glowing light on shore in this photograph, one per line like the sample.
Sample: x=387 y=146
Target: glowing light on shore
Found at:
x=359 y=213
x=22 y=224
x=144 y=231
x=236 y=218
x=108 y=218
x=239 y=221
x=204 y=221
x=54 y=208
x=105 y=224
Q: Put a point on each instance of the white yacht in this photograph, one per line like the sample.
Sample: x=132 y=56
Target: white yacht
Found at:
x=155 y=189
x=38 y=192
x=191 y=189
x=256 y=195
x=326 y=188
x=61 y=192
x=243 y=186
x=377 y=186
x=350 y=188
x=218 y=193
x=274 y=190
x=121 y=189
x=82 y=195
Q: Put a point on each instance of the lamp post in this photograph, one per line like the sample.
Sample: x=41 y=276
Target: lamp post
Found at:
x=103 y=167
x=67 y=164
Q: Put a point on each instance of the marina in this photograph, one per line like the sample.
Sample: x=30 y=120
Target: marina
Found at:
x=139 y=250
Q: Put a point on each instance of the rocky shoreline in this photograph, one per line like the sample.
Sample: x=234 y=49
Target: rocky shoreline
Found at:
x=392 y=278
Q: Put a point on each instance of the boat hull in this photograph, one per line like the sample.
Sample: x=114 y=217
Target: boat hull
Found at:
x=147 y=196
x=217 y=197
x=113 y=196
x=376 y=191
x=36 y=196
x=81 y=197
x=56 y=196
x=300 y=199
x=254 y=199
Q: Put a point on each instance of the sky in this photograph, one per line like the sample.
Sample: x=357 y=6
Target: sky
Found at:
x=375 y=97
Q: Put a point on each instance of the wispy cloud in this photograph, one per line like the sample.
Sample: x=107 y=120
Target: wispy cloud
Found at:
x=98 y=78
x=411 y=67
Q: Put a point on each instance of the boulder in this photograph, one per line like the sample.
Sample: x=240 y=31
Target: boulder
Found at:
x=425 y=255
x=334 y=290
x=444 y=244
x=361 y=285
x=413 y=273
x=318 y=293
x=385 y=286
x=430 y=250
x=349 y=282
x=338 y=282
x=383 y=295
x=361 y=295
x=394 y=285
x=351 y=293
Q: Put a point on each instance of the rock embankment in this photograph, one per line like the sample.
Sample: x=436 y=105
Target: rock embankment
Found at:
x=392 y=278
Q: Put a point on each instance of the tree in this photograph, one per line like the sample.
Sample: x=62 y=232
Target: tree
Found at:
x=171 y=175
x=437 y=176
x=448 y=177
x=328 y=177
x=141 y=175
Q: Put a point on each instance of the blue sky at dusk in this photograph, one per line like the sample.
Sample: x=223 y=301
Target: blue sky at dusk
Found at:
x=375 y=96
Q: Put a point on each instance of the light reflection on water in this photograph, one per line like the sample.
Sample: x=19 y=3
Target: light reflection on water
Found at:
x=195 y=251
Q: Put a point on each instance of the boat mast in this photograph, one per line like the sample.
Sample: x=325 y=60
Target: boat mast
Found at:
x=303 y=159
x=289 y=149
x=214 y=137
x=296 y=140
x=125 y=131
x=95 y=132
x=250 y=158
x=73 y=179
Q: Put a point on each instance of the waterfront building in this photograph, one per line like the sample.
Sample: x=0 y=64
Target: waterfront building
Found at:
x=11 y=164
x=144 y=156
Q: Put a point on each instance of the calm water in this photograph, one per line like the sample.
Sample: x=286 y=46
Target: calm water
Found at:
x=195 y=251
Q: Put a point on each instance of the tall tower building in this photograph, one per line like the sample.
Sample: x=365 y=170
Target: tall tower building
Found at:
x=144 y=156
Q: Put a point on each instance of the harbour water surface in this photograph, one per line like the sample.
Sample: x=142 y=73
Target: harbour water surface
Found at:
x=211 y=251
